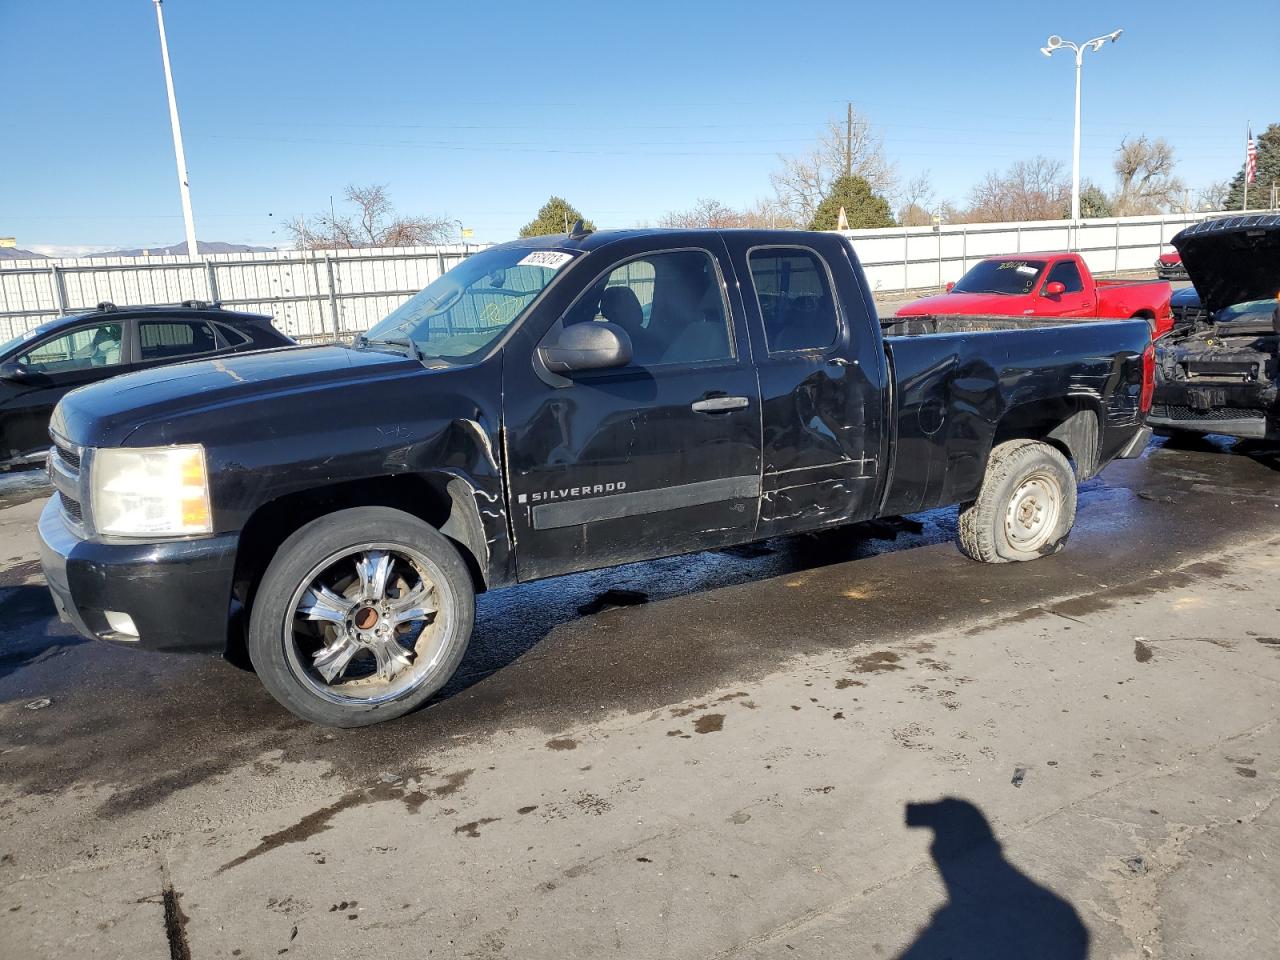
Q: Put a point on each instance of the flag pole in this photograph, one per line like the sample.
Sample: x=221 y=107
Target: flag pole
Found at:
x=1248 y=135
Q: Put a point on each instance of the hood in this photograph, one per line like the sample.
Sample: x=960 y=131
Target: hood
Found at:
x=963 y=303
x=1187 y=297
x=1170 y=258
x=104 y=414
x=1233 y=259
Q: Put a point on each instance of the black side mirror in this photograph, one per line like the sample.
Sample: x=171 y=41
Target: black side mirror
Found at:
x=15 y=372
x=595 y=345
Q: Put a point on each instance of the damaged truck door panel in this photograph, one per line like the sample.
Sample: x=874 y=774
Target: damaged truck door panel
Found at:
x=553 y=405
x=1218 y=370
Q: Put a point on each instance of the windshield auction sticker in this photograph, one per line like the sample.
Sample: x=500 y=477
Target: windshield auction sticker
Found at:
x=550 y=259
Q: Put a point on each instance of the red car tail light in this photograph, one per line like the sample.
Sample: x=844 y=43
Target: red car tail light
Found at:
x=1148 y=379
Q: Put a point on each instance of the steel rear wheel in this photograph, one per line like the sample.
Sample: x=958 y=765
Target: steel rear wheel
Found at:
x=1025 y=508
x=361 y=616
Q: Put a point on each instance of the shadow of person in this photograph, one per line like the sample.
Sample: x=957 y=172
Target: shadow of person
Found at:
x=992 y=910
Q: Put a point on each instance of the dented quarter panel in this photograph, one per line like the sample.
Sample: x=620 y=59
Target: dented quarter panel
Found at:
x=953 y=390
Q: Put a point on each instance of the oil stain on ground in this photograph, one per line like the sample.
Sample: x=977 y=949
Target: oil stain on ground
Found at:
x=472 y=829
x=879 y=662
x=1141 y=652
x=709 y=723
x=563 y=743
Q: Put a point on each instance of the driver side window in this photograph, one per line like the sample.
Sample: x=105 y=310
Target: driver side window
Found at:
x=671 y=305
x=1066 y=273
x=82 y=349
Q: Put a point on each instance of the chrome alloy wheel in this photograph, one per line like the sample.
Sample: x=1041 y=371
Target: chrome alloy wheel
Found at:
x=367 y=624
x=1033 y=511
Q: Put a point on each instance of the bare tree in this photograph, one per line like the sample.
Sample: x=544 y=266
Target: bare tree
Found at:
x=373 y=224
x=704 y=213
x=718 y=216
x=849 y=146
x=1214 y=196
x=1033 y=189
x=916 y=202
x=1145 y=180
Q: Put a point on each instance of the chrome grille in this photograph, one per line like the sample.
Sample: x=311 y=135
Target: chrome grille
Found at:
x=69 y=456
x=71 y=509
x=65 y=460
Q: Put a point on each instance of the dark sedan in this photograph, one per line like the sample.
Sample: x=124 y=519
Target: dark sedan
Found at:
x=39 y=366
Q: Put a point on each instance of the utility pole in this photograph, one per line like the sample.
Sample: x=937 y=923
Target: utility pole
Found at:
x=180 y=155
x=848 y=141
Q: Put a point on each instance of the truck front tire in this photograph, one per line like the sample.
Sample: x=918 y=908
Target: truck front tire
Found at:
x=1026 y=507
x=361 y=616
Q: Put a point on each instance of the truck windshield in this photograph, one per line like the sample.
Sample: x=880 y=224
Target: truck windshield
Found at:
x=1013 y=277
x=459 y=315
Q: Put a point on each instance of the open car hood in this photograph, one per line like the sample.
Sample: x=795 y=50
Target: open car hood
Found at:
x=1233 y=259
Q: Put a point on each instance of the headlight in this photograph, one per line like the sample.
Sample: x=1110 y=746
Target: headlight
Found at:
x=147 y=491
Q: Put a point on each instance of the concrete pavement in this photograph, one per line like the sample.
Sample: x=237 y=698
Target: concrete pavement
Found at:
x=1087 y=746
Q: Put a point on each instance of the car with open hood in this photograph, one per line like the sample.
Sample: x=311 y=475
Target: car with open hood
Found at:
x=1217 y=370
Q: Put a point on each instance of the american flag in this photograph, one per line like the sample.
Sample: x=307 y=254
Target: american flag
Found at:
x=1250 y=159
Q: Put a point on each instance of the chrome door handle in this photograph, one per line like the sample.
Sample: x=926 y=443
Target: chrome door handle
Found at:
x=720 y=404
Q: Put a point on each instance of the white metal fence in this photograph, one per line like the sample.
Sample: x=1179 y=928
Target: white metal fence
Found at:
x=315 y=294
x=909 y=258
x=310 y=294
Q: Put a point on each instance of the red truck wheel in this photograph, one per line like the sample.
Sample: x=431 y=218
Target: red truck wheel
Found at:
x=1026 y=507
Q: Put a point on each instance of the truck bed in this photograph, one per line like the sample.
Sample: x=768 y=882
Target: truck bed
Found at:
x=966 y=323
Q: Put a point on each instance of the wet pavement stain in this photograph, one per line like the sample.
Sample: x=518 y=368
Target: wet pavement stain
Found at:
x=453 y=782
x=709 y=723
x=529 y=809
x=1141 y=652
x=1247 y=772
x=879 y=662
x=472 y=830
x=844 y=683
x=612 y=599
x=313 y=823
x=563 y=743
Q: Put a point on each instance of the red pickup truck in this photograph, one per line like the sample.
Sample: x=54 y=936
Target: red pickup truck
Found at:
x=1047 y=285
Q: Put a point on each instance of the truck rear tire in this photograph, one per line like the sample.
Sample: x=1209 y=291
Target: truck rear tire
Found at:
x=361 y=616
x=1026 y=507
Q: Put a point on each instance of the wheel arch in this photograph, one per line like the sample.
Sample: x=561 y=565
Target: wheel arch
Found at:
x=444 y=500
x=1072 y=425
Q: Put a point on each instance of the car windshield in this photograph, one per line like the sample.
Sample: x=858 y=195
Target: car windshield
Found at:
x=1013 y=277
x=458 y=316
x=10 y=345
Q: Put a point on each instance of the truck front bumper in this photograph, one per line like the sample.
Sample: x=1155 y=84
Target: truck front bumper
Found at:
x=167 y=595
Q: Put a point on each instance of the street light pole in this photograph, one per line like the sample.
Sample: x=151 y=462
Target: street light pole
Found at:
x=1055 y=42
x=180 y=155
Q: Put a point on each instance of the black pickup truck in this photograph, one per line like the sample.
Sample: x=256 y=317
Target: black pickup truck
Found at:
x=553 y=405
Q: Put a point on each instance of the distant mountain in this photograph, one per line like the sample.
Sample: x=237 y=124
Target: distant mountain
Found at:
x=16 y=253
x=180 y=249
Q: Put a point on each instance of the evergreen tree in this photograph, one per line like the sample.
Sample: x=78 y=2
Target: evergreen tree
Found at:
x=862 y=206
x=1268 y=171
x=557 y=215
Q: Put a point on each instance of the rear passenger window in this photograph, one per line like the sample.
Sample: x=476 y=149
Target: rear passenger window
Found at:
x=1066 y=273
x=170 y=339
x=795 y=298
x=670 y=304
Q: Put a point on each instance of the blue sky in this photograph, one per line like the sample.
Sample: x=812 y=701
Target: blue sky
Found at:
x=481 y=110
